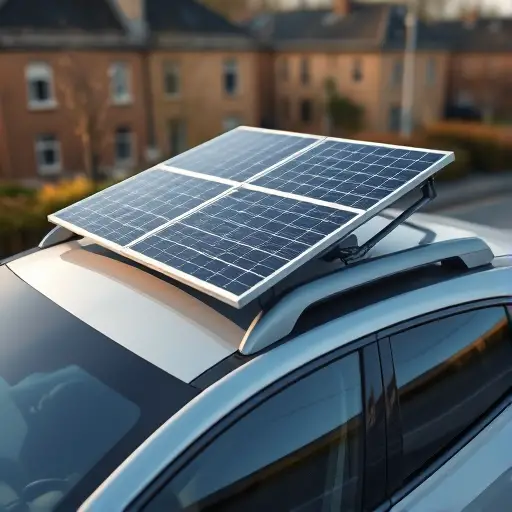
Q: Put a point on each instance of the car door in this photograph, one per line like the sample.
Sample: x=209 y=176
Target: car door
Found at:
x=298 y=448
x=453 y=377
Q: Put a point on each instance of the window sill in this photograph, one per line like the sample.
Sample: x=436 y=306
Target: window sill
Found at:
x=124 y=164
x=121 y=102
x=43 y=105
x=49 y=170
x=172 y=97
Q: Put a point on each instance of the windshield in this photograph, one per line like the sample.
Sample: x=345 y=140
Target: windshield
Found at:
x=73 y=404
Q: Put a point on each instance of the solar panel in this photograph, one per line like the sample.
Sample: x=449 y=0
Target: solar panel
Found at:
x=352 y=174
x=137 y=206
x=241 y=154
x=236 y=215
x=241 y=241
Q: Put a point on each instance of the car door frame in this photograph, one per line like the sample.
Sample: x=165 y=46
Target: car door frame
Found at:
x=199 y=415
x=373 y=430
x=396 y=490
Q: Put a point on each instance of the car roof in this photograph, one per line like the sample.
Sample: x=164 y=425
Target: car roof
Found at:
x=177 y=329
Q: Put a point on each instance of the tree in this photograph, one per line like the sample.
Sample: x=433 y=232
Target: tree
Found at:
x=342 y=113
x=86 y=98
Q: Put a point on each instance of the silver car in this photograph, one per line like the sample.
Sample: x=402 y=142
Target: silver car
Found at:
x=382 y=385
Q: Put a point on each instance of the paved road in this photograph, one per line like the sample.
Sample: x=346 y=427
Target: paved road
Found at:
x=495 y=212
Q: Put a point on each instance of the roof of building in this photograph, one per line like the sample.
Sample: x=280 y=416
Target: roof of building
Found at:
x=368 y=25
x=187 y=16
x=364 y=24
x=83 y=16
x=485 y=34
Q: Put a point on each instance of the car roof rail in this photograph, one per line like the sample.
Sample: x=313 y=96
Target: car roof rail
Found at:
x=272 y=326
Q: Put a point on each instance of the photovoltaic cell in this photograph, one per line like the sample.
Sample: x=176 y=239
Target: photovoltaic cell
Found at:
x=128 y=210
x=349 y=174
x=241 y=239
x=240 y=154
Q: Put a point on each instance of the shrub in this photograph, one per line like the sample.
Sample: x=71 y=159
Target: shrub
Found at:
x=489 y=148
x=345 y=114
x=16 y=190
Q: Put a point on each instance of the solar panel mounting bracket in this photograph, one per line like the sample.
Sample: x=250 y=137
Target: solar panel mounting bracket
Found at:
x=56 y=236
x=349 y=255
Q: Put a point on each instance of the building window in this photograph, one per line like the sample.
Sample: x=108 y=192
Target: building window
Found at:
x=230 y=123
x=120 y=90
x=431 y=72
x=357 y=70
x=172 y=81
x=231 y=78
x=41 y=93
x=48 y=155
x=395 y=114
x=464 y=99
x=306 y=111
x=304 y=71
x=283 y=71
x=397 y=72
x=177 y=132
x=124 y=150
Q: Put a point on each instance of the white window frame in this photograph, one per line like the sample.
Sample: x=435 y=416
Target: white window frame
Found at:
x=126 y=97
x=231 y=66
x=130 y=161
x=231 y=122
x=171 y=67
x=40 y=146
x=40 y=71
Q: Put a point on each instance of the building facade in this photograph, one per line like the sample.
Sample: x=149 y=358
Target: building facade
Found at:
x=70 y=92
x=115 y=86
x=358 y=47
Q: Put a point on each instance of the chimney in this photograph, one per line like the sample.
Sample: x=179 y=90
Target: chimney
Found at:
x=132 y=9
x=341 y=7
x=133 y=12
x=470 y=17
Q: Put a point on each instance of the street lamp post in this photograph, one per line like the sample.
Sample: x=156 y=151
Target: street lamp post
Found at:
x=411 y=43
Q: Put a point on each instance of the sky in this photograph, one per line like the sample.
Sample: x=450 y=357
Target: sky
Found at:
x=504 y=5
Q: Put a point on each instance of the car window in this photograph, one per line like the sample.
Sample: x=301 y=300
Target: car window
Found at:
x=301 y=450
x=449 y=372
x=73 y=403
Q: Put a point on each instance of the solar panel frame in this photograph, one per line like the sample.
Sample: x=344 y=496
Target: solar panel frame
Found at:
x=238 y=301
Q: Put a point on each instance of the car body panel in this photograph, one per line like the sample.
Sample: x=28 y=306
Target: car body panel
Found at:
x=152 y=317
x=159 y=322
x=204 y=411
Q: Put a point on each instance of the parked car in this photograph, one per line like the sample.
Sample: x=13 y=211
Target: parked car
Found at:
x=381 y=385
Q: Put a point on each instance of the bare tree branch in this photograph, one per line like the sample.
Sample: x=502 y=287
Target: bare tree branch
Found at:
x=86 y=98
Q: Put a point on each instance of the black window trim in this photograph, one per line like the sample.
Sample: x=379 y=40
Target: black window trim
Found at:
x=193 y=450
x=397 y=491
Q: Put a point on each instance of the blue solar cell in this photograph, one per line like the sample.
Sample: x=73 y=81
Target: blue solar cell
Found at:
x=124 y=212
x=349 y=174
x=243 y=238
x=240 y=154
